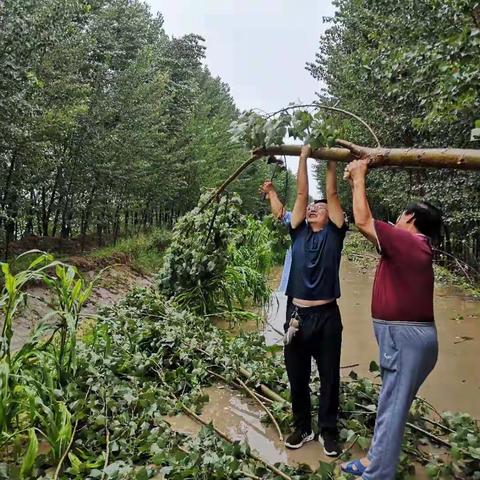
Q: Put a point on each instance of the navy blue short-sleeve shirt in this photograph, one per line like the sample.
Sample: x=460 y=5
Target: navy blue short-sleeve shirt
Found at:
x=314 y=274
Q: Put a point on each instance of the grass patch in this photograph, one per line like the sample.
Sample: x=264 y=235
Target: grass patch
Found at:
x=444 y=276
x=144 y=251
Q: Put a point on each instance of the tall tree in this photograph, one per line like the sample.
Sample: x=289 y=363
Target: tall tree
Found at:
x=411 y=69
x=107 y=125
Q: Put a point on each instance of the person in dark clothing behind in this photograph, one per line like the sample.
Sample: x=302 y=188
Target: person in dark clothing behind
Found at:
x=403 y=320
x=315 y=326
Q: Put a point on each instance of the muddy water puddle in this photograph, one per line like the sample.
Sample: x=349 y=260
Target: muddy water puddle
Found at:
x=240 y=418
x=455 y=382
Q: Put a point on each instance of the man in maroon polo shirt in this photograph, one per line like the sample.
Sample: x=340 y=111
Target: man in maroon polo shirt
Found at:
x=402 y=311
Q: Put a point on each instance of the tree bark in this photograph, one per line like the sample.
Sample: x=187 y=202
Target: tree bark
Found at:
x=55 y=221
x=8 y=181
x=48 y=212
x=126 y=222
x=87 y=217
x=99 y=232
x=44 y=213
x=451 y=158
x=116 y=224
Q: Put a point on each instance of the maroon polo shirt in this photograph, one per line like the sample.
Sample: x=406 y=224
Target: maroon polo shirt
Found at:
x=403 y=286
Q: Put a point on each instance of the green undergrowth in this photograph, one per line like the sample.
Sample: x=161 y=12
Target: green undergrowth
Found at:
x=446 y=277
x=218 y=261
x=146 y=358
x=360 y=251
x=144 y=251
x=93 y=406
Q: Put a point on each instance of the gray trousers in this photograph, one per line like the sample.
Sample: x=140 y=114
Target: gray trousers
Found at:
x=408 y=353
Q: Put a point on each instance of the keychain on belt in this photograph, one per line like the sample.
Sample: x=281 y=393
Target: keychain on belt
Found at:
x=293 y=327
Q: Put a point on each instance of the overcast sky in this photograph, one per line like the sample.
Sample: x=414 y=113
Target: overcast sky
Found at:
x=258 y=47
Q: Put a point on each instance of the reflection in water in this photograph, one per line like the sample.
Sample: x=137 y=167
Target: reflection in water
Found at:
x=240 y=419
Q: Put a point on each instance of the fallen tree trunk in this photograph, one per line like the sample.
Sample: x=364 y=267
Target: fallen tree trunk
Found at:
x=450 y=158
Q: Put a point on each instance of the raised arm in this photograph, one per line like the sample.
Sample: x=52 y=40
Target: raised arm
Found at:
x=335 y=211
x=276 y=206
x=356 y=173
x=301 y=202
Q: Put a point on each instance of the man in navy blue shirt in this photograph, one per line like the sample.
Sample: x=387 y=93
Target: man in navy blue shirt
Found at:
x=317 y=231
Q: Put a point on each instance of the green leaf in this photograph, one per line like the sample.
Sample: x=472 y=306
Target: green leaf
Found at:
x=363 y=442
x=76 y=463
x=5 y=268
x=37 y=261
x=31 y=454
x=142 y=474
x=374 y=367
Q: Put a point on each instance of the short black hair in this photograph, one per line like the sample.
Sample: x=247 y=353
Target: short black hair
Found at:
x=427 y=219
x=322 y=200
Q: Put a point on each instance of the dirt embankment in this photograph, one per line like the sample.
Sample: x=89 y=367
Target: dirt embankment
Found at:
x=61 y=246
x=117 y=278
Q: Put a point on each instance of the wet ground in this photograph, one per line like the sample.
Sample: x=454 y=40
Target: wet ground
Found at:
x=114 y=284
x=454 y=384
x=239 y=417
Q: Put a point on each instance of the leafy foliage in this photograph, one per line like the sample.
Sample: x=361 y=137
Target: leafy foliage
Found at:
x=257 y=131
x=144 y=250
x=145 y=358
x=218 y=259
x=411 y=69
x=107 y=125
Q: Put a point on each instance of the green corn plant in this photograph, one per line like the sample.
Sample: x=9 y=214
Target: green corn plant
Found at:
x=72 y=292
x=6 y=404
x=12 y=297
x=13 y=294
x=56 y=422
x=31 y=454
x=250 y=257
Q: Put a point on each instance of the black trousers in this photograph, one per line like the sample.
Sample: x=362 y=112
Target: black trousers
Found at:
x=320 y=337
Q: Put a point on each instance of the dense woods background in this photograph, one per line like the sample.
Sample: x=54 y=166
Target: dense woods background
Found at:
x=412 y=70
x=107 y=125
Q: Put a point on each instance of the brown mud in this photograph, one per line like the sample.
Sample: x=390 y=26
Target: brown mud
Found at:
x=115 y=282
